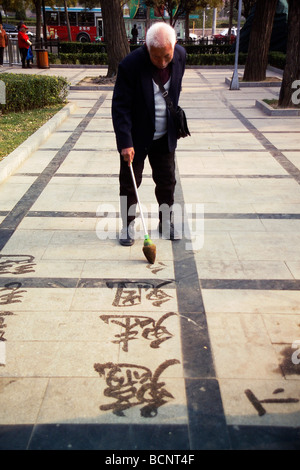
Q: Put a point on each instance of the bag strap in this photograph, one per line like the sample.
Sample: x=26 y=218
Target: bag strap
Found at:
x=165 y=93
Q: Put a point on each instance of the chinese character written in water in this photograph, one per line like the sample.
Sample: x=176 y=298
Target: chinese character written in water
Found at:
x=152 y=330
x=16 y=264
x=131 y=385
x=126 y=297
x=11 y=293
x=2 y=324
x=155 y=269
x=258 y=403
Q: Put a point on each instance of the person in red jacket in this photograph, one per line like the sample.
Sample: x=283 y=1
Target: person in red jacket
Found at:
x=24 y=43
x=3 y=42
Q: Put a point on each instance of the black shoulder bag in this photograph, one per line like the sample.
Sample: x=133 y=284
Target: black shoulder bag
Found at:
x=178 y=114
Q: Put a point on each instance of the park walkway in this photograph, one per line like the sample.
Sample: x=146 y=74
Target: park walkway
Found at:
x=101 y=350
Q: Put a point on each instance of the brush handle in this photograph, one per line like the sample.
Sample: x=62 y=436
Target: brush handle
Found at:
x=138 y=199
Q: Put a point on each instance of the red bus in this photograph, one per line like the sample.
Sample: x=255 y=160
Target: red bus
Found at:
x=86 y=25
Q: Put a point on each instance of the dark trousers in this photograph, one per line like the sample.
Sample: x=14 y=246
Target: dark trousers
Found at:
x=23 y=54
x=162 y=163
x=1 y=55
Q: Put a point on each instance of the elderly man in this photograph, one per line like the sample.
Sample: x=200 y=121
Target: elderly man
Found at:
x=143 y=125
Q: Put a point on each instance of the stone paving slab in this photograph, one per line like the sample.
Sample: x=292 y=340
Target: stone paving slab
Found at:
x=99 y=349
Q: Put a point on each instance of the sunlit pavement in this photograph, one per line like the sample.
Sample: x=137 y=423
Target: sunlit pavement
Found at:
x=201 y=350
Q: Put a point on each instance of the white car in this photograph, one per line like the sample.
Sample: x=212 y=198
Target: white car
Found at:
x=225 y=31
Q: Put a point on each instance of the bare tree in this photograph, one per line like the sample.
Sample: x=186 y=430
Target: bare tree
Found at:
x=292 y=67
x=259 y=42
x=176 y=8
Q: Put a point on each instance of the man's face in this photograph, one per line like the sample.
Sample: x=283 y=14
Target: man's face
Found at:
x=161 y=56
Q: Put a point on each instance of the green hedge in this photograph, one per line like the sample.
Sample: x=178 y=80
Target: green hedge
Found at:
x=192 y=59
x=85 y=47
x=97 y=47
x=214 y=59
x=277 y=59
x=96 y=58
x=32 y=91
x=207 y=48
x=80 y=47
x=89 y=54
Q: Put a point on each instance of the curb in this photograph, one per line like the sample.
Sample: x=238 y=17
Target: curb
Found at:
x=254 y=84
x=11 y=162
x=91 y=87
x=267 y=109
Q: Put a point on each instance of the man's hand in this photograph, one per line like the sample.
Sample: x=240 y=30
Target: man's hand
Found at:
x=128 y=155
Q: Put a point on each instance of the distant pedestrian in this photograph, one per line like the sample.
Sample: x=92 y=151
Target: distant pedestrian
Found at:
x=3 y=43
x=134 y=34
x=24 y=44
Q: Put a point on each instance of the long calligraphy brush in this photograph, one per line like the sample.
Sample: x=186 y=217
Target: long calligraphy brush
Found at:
x=149 y=249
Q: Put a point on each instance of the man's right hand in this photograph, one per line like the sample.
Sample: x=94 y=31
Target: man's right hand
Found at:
x=128 y=155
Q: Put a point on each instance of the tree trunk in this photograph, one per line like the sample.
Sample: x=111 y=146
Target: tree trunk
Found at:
x=114 y=34
x=67 y=20
x=259 y=43
x=187 y=26
x=292 y=67
x=38 y=10
x=230 y=18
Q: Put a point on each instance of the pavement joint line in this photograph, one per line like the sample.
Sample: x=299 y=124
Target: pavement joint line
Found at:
x=207 y=215
x=200 y=176
x=197 y=355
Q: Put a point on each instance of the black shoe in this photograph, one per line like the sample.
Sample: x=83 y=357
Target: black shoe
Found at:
x=167 y=230
x=126 y=237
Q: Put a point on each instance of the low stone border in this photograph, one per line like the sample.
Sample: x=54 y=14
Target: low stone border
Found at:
x=270 y=111
x=254 y=84
x=11 y=162
x=91 y=87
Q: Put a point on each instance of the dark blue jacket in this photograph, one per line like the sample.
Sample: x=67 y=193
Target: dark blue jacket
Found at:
x=133 y=110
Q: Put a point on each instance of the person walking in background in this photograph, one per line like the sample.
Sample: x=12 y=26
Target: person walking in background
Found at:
x=134 y=34
x=3 y=43
x=143 y=125
x=24 y=43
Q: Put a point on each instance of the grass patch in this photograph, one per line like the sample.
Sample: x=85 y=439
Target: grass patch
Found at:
x=274 y=104
x=267 y=79
x=15 y=128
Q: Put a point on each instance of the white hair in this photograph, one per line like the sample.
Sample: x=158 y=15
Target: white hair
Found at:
x=160 y=34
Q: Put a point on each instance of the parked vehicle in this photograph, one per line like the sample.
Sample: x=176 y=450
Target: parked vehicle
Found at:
x=223 y=36
x=193 y=37
x=10 y=28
